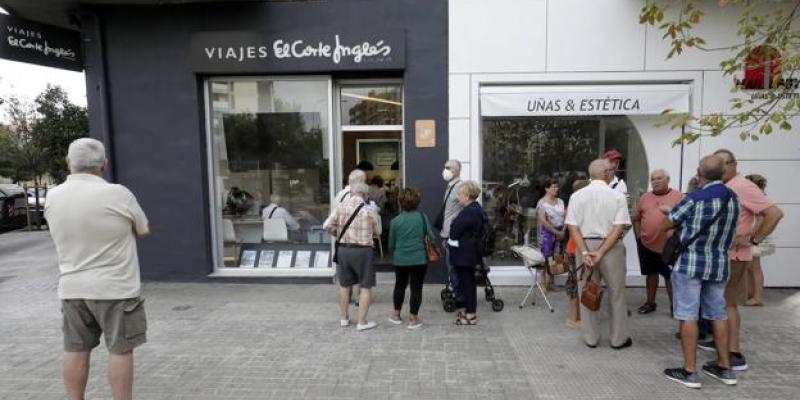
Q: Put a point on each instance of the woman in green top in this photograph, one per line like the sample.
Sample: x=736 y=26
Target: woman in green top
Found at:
x=406 y=242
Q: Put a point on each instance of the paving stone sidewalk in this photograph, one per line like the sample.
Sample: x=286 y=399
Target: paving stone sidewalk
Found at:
x=258 y=341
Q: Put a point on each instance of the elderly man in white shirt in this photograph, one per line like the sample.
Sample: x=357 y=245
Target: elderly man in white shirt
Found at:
x=94 y=225
x=275 y=211
x=597 y=218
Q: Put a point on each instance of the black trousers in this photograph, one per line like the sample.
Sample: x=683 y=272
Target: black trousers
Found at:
x=468 y=286
x=402 y=275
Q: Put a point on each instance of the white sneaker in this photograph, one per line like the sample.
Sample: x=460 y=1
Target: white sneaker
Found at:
x=344 y=323
x=415 y=324
x=395 y=320
x=367 y=326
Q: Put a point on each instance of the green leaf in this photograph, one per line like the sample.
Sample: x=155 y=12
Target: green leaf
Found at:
x=785 y=125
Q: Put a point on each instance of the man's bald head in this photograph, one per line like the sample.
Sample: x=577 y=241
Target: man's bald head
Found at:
x=711 y=168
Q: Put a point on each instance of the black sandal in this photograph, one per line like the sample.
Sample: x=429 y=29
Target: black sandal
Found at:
x=467 y=321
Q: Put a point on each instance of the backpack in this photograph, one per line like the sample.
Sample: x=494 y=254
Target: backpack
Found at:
x=486 y=239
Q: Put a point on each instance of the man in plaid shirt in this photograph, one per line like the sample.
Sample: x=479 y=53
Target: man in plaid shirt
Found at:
x=702 y=270
x=355 y=254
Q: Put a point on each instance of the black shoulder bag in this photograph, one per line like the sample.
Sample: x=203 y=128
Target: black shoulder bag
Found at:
x=439 y=223
x=341 y=234
x=673 y=248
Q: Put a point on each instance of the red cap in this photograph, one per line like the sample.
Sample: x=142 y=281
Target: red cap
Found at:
x=613 y=155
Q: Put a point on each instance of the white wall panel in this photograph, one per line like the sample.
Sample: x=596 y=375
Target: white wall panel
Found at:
x=497 y=35
x=459 y=138
x=785 y=146
x=718 y=28
x=781 y=269
x=459 y=96
x=594 y=36
x=787 y=234
x=780 y=176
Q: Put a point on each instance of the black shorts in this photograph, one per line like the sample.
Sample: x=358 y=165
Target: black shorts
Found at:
x=650 y=262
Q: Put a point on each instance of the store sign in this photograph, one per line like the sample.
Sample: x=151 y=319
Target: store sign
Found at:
x=35 y=43
x=584 y=100
x=248 y=51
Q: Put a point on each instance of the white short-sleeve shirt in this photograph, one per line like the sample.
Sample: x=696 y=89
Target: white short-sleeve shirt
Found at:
x=596 y=208
x=94 y=225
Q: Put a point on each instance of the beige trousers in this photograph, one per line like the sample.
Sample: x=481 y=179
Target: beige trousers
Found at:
x=613 y=270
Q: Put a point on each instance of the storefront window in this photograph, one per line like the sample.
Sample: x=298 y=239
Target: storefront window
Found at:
x=520 y=153
x=270 y=148
x=372 y=105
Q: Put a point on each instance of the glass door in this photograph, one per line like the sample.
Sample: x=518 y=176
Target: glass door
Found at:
x=370 y=120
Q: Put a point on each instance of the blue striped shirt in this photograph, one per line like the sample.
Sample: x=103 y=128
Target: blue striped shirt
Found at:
x=707 y=257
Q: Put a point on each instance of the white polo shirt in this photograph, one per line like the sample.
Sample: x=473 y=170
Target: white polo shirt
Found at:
x=94 y=225
x=596 y=208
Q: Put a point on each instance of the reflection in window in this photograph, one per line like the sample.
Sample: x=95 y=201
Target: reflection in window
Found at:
x=270 y=154
x=520 y=153
x=372 y=105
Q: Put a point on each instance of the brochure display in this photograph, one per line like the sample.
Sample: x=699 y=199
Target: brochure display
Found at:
x=284 y=256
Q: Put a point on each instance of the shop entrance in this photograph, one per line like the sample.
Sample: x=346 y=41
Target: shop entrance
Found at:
x=521 y=153
x=371 y=136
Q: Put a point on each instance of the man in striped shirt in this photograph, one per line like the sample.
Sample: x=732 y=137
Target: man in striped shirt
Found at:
x=706 y=221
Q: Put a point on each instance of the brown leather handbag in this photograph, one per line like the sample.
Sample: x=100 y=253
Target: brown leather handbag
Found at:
x=432 y=251
x=592 y=292
x=558 y=264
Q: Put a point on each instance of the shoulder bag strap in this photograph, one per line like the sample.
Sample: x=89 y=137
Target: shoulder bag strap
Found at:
x=705 y=227
x=272 y=212
x=349 y=221
x=424 y=225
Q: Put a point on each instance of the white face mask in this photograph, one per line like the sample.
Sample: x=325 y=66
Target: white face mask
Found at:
x=447 y=175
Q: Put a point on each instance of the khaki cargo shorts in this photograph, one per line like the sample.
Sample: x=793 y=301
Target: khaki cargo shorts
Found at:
x=736 y=289
x=122 y=322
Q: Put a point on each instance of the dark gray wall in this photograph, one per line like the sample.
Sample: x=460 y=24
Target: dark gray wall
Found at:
x=153 y=112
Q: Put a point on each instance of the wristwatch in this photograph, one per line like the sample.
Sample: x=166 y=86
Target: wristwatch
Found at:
x=754 y=242
x=584 y=253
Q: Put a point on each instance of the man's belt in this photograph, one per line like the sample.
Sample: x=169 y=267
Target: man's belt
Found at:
x=353 y=245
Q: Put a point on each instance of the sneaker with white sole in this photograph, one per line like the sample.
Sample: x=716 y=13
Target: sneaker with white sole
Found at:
x=684 y=377
x=414 y=324
x=724 y=375
x=395 y=319
x=708 y=345
x=738 y=362
x=367 y=326
x=344 y=323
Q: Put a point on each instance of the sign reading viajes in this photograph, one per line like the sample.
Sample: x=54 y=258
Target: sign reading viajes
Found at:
x=251 y=51
x=35 y=43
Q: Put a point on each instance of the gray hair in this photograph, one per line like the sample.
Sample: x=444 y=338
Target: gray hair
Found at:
x=360 y=189
x=598 y=168
x=86 y=155
x=711 y=167
x=660 y=171
x=469 y=188
x=356 y=176
x=455 y=165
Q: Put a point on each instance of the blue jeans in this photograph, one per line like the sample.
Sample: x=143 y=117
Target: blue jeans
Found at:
x=454 y=280
x=692 y=297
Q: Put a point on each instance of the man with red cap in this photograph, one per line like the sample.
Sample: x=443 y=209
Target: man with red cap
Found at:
x=615 y=157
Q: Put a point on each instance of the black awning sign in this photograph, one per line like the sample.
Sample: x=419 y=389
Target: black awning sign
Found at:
x=253 y=51
x=35 y=43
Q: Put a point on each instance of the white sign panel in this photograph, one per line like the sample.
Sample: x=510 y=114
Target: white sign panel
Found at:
x=544 y=100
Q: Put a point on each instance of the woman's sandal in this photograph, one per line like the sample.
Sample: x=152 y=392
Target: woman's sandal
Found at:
x=467 y=321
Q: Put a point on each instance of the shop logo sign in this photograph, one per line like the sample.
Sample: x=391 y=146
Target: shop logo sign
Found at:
x=762 y=71
x=35 y=43
x=237 y=51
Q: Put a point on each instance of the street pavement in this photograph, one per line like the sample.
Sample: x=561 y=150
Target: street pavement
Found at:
x=272 y=341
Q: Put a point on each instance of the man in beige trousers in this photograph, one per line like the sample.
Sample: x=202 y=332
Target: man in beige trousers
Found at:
x=597 y=218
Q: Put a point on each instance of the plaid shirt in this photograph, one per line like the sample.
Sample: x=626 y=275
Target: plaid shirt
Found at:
x=365 y=226
x=707 y=257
